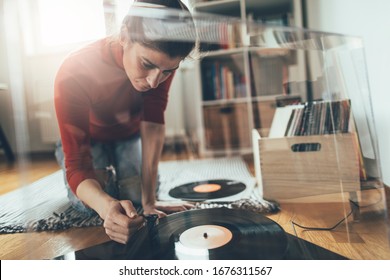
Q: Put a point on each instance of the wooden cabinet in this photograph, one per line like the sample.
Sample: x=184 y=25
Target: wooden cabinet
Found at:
x=226 y=126
x=263 y=113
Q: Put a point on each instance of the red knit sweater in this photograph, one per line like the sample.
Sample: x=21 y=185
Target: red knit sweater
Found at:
x=94 y=99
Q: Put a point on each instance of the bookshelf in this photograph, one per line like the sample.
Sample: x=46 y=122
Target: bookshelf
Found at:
x=240 y=83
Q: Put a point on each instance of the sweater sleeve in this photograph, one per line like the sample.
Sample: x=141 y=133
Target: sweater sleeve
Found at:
x=72 y=109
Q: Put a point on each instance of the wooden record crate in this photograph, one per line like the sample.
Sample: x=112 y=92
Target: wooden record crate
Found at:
x=286 y=174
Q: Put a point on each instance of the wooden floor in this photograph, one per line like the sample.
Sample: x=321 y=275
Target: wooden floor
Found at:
x=363 y=236
x=26 y=171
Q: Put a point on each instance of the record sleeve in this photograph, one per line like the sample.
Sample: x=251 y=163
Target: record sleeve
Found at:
x=182 y=172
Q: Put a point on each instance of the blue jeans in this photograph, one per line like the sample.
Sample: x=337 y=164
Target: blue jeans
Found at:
x=118 y=166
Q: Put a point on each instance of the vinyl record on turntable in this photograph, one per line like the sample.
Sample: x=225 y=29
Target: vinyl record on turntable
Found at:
x=205 y=190
x=213 y=234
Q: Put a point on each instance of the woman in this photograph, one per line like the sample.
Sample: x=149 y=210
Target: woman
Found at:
x=110 y=98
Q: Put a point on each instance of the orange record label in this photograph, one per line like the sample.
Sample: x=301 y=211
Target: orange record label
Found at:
x=206 y=188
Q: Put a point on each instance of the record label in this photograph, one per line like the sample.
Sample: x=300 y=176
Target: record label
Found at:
x=204 y=190
x=207 y=188
x=205 y=237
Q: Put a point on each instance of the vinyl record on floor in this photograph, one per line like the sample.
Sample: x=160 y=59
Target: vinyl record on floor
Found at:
x=209 y=189
x=212 y=234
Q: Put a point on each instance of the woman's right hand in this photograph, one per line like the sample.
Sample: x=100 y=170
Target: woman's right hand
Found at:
x=121 y=220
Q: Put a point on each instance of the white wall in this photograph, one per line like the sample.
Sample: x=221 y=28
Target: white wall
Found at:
x=174 y=123
x=370 y=20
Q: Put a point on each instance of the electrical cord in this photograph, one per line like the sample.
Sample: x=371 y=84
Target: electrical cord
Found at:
x=321 y=228
x=339 y=222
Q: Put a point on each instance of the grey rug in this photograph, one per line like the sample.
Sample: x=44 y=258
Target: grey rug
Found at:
x=43 y=205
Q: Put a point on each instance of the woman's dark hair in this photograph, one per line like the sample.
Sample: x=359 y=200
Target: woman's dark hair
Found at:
x=172 y=33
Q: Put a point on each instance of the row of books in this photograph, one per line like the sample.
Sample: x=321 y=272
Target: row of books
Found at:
x=278 y=19
x=219 y=81
x=311 y=118
x=219 y=35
